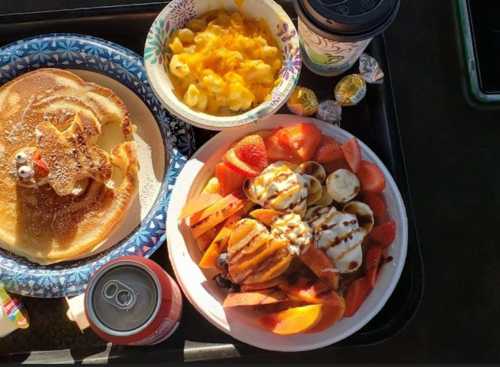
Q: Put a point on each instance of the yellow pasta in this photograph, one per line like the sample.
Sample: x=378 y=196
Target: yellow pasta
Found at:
x=224 y=63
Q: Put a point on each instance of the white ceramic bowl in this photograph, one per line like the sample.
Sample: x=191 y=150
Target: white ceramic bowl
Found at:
x=177 y=13
x=207 y=297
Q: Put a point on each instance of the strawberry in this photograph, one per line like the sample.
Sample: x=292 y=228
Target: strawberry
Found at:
x=335 y=165
x=384 y=234
x=252 y=151
x=372 y=263
x=41 y=168
x=377 y=204
x=248 y=156
x=371 y=177
x=357 y=292
x=275 y=151
x=301 y=139
x=328 y=151
x=352 y=153
x=229 y=180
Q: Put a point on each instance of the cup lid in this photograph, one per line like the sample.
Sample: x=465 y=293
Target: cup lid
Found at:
x=355 y=19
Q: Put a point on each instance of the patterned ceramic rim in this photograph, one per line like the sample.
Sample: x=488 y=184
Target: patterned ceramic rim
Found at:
x=21 y=276
x=175 y=15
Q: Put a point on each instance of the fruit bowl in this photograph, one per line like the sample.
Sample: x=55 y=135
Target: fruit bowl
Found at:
x=177 y=13
x=240 y=322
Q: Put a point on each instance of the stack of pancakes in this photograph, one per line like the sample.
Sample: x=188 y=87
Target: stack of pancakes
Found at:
x=83 y=135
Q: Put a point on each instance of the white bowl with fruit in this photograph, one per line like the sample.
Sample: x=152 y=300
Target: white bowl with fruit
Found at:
x=288 y=235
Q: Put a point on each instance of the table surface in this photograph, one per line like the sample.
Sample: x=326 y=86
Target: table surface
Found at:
x=450 y=154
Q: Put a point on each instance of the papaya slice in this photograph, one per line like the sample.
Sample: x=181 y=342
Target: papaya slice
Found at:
x=316 y=260
x=276 y=282
x=265 y=216
x=294 y=320
x=204 y=220
x=237 y=270
x=330 y=315
x=206 y=238
x=255 y=298
x=218 y=245
x=271 y=268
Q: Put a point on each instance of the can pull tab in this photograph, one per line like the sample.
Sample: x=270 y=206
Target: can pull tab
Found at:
x=119 y=294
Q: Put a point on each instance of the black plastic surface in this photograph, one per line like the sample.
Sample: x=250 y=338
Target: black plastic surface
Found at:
x=374 y=121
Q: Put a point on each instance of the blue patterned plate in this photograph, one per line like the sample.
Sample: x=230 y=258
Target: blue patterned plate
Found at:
x=72 y=51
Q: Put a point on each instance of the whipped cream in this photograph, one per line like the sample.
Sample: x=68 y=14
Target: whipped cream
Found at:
x=279 y=187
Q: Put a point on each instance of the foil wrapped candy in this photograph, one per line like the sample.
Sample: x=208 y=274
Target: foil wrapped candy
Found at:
x=349 y=91
x=303 y=102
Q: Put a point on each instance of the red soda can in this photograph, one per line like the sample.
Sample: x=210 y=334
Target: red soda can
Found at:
x=133 y=301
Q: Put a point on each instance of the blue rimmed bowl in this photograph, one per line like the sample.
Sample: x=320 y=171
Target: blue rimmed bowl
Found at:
x=177 y=13
x=92 y=55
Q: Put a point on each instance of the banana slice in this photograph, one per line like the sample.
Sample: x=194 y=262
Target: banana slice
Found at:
x=339 y=235
x=314 y=189
x=342 y=185
x=326 y=199
x=363 y=212
x=317 y=211
x=348 y=255
x=278 y=187
x=314 y=169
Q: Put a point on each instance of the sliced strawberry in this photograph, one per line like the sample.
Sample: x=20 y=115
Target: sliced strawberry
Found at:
x=335 y=165
x=302 y=139
x=238 y=165
x=328 y=151
x=36 y=155
x=41 y=168
x=352 y=153
x=252 y=151
x=229 y=180
x=384 y=234
x=371 y=177
x=357 y=292
x=372 y=263
x=377 y=204
x=275 y=151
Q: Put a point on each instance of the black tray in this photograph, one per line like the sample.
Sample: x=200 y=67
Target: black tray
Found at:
x=479 y=45
x=51 y=337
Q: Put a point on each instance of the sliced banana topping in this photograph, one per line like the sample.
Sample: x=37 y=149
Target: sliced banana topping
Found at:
x=339 y=235
x=314 y=189
x=348 y=255
x=363 y=212
x=326 y=199
x=314 y=169
x=342 y=185
x=278 y=187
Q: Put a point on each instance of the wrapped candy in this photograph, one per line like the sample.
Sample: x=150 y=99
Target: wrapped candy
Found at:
x=303 y=102
x=330 y=111
x=12 y=314
x=350 y=90
x=370 y=70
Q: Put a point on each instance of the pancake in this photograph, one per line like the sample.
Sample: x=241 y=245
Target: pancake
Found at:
x=68 y=165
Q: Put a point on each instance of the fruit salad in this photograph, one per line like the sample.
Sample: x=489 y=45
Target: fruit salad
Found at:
x=295 y=227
